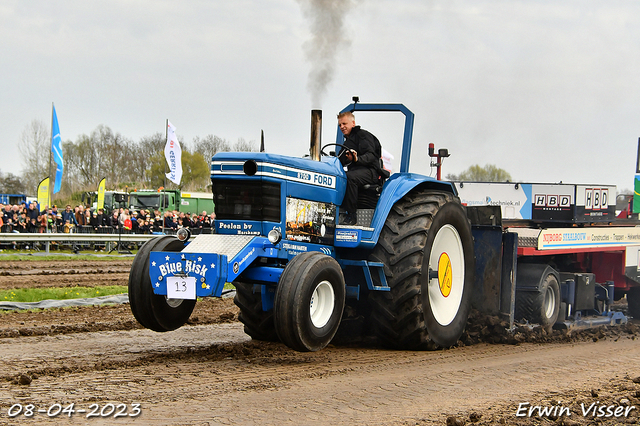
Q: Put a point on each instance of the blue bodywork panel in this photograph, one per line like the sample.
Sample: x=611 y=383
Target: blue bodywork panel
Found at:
x=212 y=270
x=208 y=268
x=396 y=187
x=318 y=181
x=323 y=181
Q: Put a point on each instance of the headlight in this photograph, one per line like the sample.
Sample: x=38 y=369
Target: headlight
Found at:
x=274 y=236
x=183 y=234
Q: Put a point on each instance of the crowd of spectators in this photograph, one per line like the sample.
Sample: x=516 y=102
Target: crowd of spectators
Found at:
x=23 y=218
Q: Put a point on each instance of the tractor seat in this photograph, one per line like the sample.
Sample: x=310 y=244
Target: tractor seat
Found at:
x=368 y=195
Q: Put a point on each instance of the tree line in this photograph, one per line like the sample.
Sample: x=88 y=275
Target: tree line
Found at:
x=105 y=153
x=477 y=173
x=128 y=164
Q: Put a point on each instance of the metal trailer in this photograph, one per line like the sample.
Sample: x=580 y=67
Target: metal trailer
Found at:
x=412 y=267
x=196 y=202
x=113 y=200
x=171 y=199
x=570 y=256
x=13 y=199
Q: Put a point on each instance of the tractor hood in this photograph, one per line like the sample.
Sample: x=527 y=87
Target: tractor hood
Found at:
x=323 y=181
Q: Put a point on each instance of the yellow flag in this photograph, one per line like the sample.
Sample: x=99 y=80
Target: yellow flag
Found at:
x=101 y=186
x=43 y=193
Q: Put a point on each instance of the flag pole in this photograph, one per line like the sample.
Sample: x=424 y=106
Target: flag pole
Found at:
x=164 y=187
x=49 y=193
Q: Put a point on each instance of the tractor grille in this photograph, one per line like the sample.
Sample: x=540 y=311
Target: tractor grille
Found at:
x=228 y=245
x=246 y=200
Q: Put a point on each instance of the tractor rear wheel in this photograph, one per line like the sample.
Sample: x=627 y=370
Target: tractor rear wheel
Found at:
x=257 y=323
x=309 y=301
x=427 y=249
x=154 y=311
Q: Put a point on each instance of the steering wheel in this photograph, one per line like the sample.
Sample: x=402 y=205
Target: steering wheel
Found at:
x=344 y=149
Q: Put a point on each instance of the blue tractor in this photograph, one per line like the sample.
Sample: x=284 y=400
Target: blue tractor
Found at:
x=407 y=266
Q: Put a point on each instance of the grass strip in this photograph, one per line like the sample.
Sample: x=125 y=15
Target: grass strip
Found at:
x=59 y=293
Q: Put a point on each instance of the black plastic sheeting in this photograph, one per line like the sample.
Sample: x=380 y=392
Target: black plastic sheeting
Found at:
x=88 y=301
x=44 y=304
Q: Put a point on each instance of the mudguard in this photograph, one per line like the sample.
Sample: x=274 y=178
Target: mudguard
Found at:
x=396 y=187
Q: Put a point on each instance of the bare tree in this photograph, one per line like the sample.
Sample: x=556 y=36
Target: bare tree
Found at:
x=115 y=152
x=101 y=154
x=210 y=145
x=11 y=184
x=243 y=146
x=142 y=158
x=35 y=148
x=149 y=145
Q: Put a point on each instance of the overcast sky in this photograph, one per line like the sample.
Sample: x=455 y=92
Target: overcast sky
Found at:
x=547 y=90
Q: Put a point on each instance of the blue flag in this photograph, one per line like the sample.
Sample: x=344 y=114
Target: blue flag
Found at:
x=56 y=148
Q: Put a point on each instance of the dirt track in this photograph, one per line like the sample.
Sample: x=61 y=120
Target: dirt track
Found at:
x=210 y=372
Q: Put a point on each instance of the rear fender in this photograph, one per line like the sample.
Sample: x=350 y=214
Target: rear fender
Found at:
x=396 y=187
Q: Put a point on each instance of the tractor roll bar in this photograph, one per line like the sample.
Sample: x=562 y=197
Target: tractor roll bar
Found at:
x=408 y=126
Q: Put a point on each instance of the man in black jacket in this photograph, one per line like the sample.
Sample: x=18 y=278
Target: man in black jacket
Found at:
x=361 y=156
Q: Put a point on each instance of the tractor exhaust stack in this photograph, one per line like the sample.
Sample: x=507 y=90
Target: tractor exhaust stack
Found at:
x=316 y=134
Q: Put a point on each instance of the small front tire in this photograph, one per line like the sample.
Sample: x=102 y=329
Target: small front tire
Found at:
x=154 y=311
x=309 y=302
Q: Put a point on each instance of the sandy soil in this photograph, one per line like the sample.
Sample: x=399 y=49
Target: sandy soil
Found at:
x=210 y=372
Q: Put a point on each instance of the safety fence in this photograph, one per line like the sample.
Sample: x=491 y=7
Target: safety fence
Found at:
x=87 y=229
x=111 y=239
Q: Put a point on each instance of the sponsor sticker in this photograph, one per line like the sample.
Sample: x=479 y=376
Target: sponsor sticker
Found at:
x=445 y=274
x=596 y=237
x=347 y=235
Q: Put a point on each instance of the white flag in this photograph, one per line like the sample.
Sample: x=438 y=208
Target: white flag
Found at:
x=173 y=154
x=387 y=160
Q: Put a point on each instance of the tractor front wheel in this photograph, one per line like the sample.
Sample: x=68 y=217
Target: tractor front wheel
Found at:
x=309 y=301
x=153 y=311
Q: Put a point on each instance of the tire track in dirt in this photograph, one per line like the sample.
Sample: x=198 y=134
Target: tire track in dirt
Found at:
x=213 y=374
x=387 y=389
x=60 y=354
x=201 y=373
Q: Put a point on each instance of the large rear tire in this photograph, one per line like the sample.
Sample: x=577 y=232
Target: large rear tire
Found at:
x=309 y=302
x=257 y=323
x=425 y=231
x=154 y=311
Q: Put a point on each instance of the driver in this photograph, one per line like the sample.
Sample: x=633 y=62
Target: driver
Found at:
x=361 y=158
